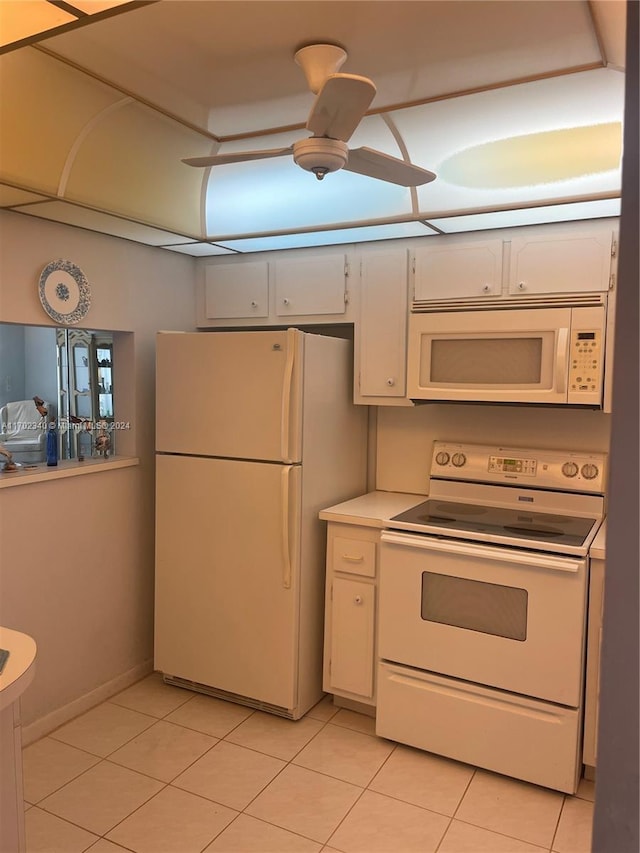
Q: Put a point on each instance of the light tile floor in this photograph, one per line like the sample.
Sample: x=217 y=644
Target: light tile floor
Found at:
x=157 y=769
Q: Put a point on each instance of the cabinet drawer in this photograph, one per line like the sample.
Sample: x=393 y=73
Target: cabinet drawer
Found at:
x=354 y=556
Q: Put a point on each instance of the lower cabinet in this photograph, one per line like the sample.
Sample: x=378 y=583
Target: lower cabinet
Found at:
x=350 y=612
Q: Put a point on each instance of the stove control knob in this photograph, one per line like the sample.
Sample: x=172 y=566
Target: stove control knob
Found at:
x=589 y=471
x=458 y=459
x=569 y=469
x=442 y=458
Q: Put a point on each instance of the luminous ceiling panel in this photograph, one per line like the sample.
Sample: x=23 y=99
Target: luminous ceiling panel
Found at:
x=328 y=238
x=442 y=135
x=130 y=163
x=9 y=196
x=530 y=216
x=93 y=220
x=49 y=106
x=199 y=250
x=274 y=195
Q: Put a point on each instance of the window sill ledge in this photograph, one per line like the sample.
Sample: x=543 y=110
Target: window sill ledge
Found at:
x=68 y=468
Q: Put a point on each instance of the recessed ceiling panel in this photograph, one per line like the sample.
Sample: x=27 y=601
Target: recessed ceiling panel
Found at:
x=231 y=63
x=530 y=216
x=327 y=238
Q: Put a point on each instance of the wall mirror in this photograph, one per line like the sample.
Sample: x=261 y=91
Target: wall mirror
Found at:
x=71 y=370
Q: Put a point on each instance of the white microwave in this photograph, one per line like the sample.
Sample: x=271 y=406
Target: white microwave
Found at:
x=548 y=355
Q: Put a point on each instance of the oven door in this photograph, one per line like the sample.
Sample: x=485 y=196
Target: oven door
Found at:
x=500 y=617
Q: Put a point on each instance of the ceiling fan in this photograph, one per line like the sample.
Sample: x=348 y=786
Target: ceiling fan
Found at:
x=341 y=102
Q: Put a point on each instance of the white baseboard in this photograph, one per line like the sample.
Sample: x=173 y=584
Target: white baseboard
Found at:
x=39 y=728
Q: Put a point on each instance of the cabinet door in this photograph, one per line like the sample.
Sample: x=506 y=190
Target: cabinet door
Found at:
x=458 y=271
x=381 y=333
x=352 y=636
x=237 y=290
x=311 y=285
x=561 y=262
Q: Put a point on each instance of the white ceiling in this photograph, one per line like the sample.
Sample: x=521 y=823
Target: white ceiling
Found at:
x=452 y=78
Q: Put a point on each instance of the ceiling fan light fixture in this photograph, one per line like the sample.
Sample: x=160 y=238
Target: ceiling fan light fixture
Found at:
x=320 y=155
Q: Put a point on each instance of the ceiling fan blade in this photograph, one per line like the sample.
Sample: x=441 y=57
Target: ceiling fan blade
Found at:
x=375 y=164
x=237 y=157
x=340 y=106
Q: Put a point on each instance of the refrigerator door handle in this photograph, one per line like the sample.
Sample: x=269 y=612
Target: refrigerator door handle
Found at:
x=286 y=396
x=286 y=548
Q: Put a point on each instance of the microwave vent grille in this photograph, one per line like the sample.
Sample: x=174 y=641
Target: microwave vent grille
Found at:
x=572 y=300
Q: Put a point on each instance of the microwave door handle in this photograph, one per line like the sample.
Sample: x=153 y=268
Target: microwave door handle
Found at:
x=561 y=360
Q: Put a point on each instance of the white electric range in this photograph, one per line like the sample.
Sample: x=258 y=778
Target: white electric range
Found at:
x=482 y=610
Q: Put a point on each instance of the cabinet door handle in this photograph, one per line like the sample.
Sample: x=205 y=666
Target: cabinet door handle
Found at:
x=348 y=558
x=522 y=286
x=358 y=599
x=285 y=301
x=486 y=288
x=391 y=381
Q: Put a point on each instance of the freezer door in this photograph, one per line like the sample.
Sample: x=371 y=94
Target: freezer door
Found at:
x=229 y=394
x=227 y=575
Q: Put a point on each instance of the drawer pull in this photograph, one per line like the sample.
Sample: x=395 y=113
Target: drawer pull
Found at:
x=350 y=559
x=358 y=599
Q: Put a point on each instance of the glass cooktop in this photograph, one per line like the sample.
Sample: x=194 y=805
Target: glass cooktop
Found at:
x=439 y=516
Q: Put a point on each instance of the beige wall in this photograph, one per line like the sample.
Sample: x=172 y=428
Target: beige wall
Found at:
x=405 y=436
x=76 y=555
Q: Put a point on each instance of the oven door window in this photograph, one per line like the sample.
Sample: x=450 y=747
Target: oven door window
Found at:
x=489 y=608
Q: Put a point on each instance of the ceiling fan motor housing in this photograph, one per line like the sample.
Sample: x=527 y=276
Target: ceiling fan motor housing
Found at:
x=320 y=155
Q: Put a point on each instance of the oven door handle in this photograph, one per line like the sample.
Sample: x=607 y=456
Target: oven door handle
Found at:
x=538 y=561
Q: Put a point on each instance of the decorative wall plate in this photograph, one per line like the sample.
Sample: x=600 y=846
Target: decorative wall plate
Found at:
x=64 y=292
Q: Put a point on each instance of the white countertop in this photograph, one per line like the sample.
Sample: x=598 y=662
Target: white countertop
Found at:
x=19 y=668
x=598 y=546
x=371 y=510
x=40 y=473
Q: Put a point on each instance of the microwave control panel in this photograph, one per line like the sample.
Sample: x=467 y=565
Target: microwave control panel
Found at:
x=585 y=365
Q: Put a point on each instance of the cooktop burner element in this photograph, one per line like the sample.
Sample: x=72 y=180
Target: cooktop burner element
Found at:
x=516 y=497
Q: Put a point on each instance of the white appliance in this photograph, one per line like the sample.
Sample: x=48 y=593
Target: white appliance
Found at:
x=547 y=355
x=483 y=603
x=255 y=433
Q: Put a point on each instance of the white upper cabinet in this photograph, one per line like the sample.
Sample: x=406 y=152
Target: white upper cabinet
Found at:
x=381 y=329
x=311 y=285
x=450 y=270
x=287 y=288
x=533 y=261
x=560 y=262
x=236 y=291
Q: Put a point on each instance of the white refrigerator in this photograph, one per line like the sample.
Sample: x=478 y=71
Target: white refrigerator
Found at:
x=255 y=433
